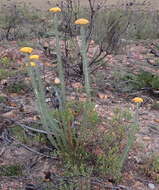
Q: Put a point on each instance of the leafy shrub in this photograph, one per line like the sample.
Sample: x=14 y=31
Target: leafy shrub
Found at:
x=20 y=21
x=105 y=32
x=147 y=80
x=144 y=80
x=110 y=26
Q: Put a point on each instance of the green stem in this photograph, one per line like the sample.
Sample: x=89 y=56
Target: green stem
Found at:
x=85 y=63
x=131 y=135
x=60 y=66
x=49 y=124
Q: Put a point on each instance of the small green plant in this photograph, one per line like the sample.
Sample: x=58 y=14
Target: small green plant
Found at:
x=4 y=73
x=143 y=80
x=28 y=138
x=19 y=133
x=150 y=167
x=82 y=180
x=17 y=87
x=77 y=132
x=3 y=99
x=4 y=62
x=113 y=145
x=147 y=80
x=11 y=170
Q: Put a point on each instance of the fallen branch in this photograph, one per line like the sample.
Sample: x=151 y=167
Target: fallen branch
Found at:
x=33 y=129
x=30 y=149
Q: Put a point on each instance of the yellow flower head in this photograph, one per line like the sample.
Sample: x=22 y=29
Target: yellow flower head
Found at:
x=26 y=50
x=33 y=64
x=82 y=21
x=137 y=100
x=36 y=57
x=55 y=9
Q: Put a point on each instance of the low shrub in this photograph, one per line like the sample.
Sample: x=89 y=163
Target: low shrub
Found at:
x=144 y=80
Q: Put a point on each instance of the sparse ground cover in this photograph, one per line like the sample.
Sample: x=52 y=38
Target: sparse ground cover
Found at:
x=45 y=4
x=128 y=69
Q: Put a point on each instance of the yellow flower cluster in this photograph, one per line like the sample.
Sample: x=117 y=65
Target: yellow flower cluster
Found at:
x=33 y=64
x=31 y=57
x=35 y=57
x=82 y=21
x=26 y=50
x=55 y=9
x=137 y=100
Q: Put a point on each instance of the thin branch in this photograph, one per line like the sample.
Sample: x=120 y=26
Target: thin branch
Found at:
x=30 y=149
x=33 y=129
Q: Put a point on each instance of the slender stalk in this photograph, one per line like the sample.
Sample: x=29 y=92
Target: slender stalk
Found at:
x=49 y=124
x=59 y=58
x=85 y=62
x=131 y=136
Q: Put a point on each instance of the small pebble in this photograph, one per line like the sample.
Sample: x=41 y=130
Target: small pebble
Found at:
x=151 y=186
x=146 y=138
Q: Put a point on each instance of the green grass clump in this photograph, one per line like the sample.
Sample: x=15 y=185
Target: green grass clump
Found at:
x=3 y=99
x=114 y=143
x=150 y=167
x=17 y=87
x=78 y=129
x=4 y=74
x=11 y=170
x=4 y=62
x=95 y=151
